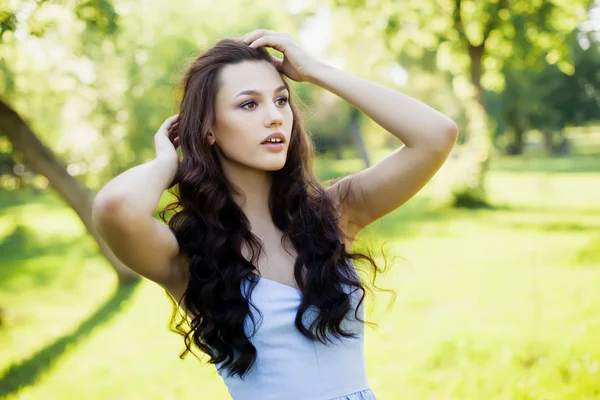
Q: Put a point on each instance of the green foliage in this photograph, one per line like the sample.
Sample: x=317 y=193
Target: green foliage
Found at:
x=37 y=18
x=98 y=15
x=330 y=128
x=549 y=99
x=415 y=29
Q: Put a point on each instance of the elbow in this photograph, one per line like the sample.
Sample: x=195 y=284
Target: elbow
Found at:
x=446 y=137
x=104 y=204
x=105 y=210
x=449 y=135
x=451 y=131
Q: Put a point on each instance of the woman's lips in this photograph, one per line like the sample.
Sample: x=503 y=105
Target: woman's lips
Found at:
x=274 y=146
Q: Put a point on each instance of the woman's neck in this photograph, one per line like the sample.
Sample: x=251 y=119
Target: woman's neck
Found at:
x=256 y=188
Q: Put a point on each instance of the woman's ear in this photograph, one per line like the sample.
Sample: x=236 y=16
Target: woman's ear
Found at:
x=211 y=138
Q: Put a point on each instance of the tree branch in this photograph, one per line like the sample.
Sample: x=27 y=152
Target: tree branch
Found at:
x=458 y=22
x=43 y=161
x=502 y=5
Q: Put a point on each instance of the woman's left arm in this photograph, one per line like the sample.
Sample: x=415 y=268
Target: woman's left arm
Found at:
x=427 y=136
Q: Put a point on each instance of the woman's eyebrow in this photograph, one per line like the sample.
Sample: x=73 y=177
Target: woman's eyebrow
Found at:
x=257 y=93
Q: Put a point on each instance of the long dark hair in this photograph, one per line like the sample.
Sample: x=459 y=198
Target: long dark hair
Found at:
x=210 y=228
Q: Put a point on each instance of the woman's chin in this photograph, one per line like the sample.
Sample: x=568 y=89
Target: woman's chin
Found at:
x=273 y=166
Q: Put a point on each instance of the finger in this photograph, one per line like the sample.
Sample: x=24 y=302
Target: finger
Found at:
x=253 y=35
x=169 y=121
x=258 y=33
x=173 y=135
x=277 y=61
x=172 y=119
x=269 y=41
x=245 y=38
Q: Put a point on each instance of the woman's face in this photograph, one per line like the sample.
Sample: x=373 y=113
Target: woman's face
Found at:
x=251 y=104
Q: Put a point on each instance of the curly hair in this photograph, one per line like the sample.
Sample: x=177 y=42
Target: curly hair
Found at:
x=211 y=228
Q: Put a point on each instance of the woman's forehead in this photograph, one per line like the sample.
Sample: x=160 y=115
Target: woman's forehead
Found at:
x=258 y=76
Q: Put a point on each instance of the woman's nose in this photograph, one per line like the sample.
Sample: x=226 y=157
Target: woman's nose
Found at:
x=273 y=116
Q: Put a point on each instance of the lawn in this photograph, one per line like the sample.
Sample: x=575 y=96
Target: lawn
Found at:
x=500 y=303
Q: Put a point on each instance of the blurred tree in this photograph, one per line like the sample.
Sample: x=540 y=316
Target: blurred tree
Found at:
x=94 y=82
x=548 y=99
x=331 y=122
x=336 y=125
x=99 y=18
x=471 y=39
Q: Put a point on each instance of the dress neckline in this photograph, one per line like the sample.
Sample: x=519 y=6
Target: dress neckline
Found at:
x=263 y=279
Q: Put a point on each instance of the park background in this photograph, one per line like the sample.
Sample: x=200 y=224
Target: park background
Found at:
x=495 y=263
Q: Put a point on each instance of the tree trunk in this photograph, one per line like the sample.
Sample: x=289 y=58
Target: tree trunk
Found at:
x=357 y=137
x=41 y=159
x=563 y=147
x=518 y=143
x=477 y=141
x=548 y=136
x=470 y=191
x=339 y=155
x=475 y=55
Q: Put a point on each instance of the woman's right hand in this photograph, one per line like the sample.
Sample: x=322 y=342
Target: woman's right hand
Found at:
x=166 y=142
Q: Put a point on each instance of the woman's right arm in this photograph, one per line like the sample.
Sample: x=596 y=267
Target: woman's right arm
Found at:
x=122 y=215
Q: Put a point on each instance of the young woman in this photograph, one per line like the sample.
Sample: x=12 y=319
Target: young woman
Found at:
x=257 y=254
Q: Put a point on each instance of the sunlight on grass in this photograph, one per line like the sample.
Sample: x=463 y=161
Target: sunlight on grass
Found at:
x=491 y=304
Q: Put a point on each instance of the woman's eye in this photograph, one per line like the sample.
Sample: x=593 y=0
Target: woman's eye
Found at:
x=247 y=104
x=281 y=99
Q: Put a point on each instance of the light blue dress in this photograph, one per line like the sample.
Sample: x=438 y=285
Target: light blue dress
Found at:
x=289 y=366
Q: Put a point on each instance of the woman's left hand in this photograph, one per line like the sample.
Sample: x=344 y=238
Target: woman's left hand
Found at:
x=296 y=64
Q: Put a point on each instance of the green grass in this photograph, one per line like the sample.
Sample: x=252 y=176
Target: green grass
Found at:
x=491 y=304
